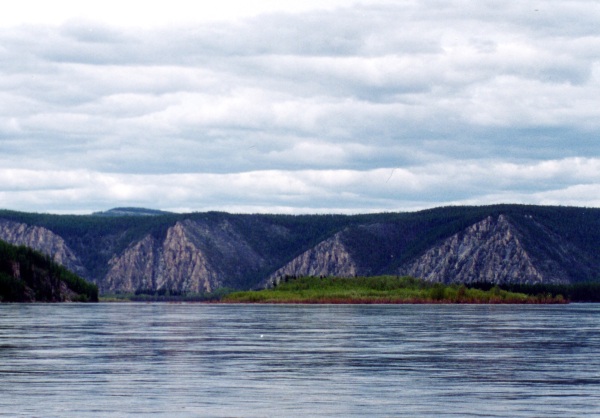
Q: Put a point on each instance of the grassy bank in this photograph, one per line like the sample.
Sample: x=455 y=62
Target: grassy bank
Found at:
x=381 y=289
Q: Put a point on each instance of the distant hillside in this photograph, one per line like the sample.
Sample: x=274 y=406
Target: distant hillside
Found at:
x=200 y=252
x=28 y=276
x=131 y=212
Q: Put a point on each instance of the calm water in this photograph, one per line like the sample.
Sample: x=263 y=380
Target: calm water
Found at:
x=253 y=360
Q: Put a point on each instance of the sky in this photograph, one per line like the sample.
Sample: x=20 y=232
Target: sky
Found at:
x=326 y=106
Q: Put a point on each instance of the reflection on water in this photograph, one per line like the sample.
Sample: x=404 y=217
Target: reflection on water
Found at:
x=342 y=360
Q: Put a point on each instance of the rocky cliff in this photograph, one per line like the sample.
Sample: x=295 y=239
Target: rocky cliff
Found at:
x=43 y=240
x=192 y=257
x=204 y=251
x=328 y=258
x=488 y=251
x=175 y=263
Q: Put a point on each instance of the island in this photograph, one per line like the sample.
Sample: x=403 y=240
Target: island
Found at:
x=385 y=290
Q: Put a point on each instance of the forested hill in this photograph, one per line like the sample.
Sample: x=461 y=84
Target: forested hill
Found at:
x=127 y=249
x=29 y=276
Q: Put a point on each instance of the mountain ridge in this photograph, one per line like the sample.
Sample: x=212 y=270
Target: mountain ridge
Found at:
x=203 y=251
x=131 y=211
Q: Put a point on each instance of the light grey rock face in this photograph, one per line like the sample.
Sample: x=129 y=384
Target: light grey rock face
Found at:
x=193 y=257
x=328 y=258
x=42 y=240
x=490 y=251
x=134 y=269
x=184 y=265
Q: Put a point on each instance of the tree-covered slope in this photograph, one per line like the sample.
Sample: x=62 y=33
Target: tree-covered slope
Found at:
x=29 y=276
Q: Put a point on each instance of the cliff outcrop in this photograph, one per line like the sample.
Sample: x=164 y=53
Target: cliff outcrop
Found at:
x=328 y=258
x=43 y=240
x=488 y=251
x=192 y=257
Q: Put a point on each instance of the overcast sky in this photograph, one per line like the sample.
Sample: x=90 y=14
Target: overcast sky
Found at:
x=298 y=106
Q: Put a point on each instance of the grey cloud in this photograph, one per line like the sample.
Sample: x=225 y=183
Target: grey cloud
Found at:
x=347 y=191
x=87 y=32
x=411 y=88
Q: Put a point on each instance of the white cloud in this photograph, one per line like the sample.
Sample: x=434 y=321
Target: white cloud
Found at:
x=568 y=181
x=153 y=12
x=298 y=106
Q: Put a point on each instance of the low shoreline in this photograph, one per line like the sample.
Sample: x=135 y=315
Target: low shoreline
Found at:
x=384 y=290
x=389 y=290
x=363 y=302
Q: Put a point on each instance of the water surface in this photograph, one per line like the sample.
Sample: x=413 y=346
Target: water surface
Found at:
x=299 y=360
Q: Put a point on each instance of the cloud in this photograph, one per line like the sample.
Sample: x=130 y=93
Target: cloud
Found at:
x=153 y=13
x=342 y=190
x=300 y=106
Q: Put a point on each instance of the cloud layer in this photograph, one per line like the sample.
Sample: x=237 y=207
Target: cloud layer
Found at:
x=374 y=106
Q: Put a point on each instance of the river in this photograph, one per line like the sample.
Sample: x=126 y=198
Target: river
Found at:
x=188 y=360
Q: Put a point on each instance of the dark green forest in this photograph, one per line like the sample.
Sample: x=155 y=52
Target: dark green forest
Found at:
x=576 y=292
x=39 y=278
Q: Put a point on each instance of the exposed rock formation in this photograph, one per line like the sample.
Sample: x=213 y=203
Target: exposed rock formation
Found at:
x=42 y=240
x=328 y=258
x=182 y=261
x=134 y=269
x=488 y=251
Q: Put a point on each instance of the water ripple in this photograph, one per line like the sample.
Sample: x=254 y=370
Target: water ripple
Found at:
x=287 y=360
